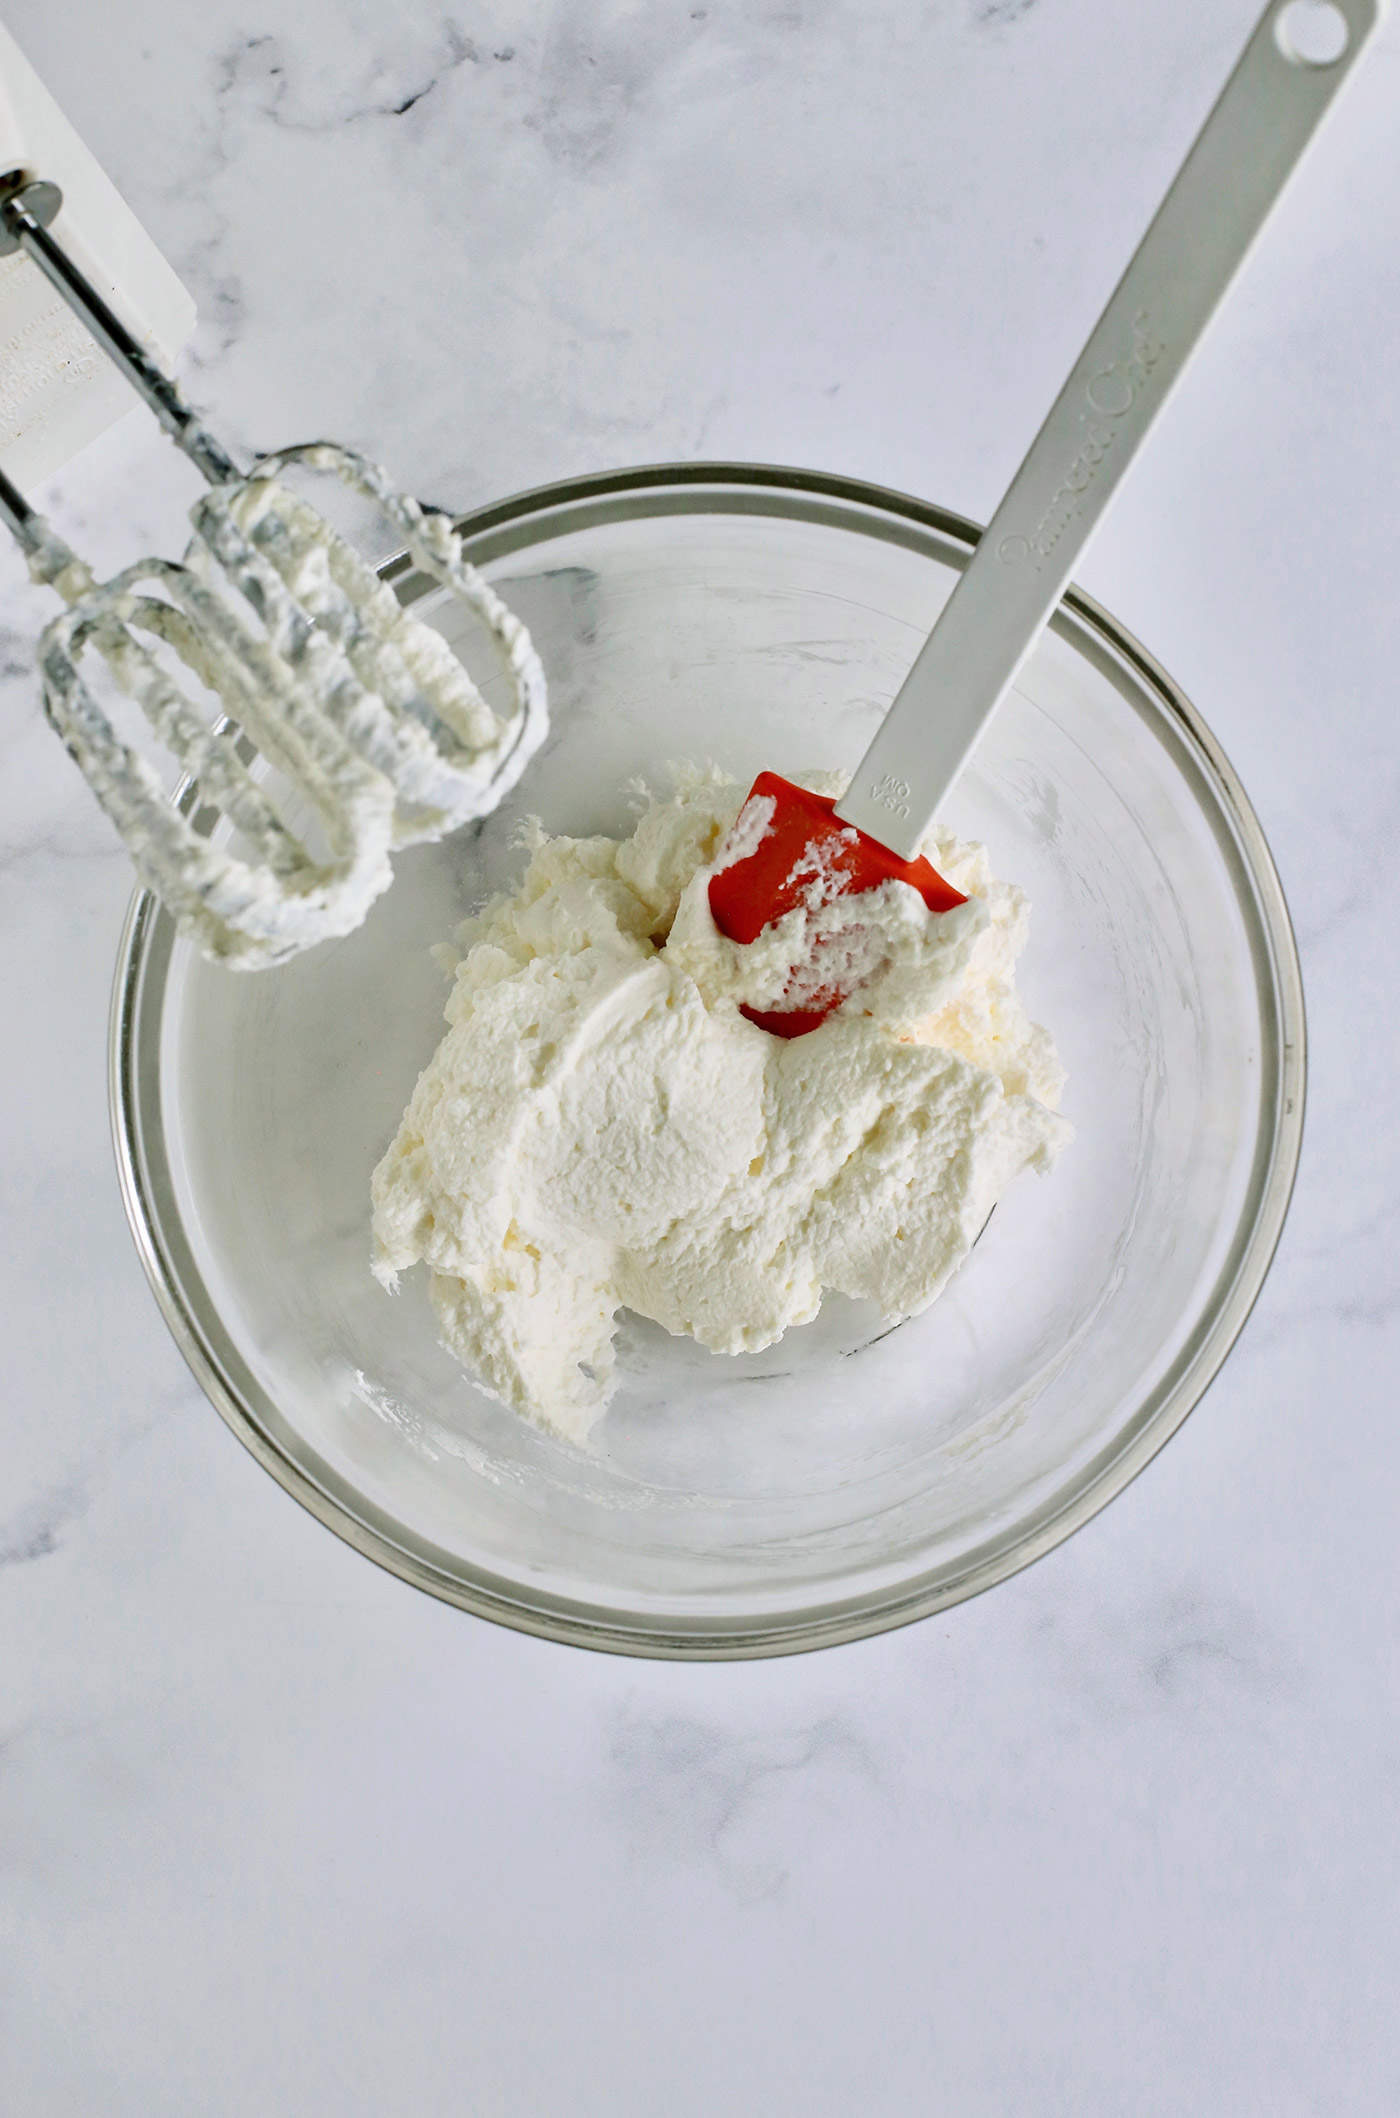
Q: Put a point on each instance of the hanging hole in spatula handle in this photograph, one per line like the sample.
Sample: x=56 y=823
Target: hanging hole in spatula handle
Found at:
x=1312 y=32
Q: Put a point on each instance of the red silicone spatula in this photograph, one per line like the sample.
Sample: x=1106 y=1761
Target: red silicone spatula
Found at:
x=806 y=845
x=814 y=850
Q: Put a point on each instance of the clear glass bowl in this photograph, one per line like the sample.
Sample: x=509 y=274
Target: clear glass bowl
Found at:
x=852 y=1477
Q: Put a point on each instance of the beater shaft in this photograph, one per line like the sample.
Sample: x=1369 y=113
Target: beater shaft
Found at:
x=25 y=219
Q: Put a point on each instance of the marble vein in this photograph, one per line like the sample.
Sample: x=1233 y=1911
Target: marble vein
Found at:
x=699 y=1792
x=37 y=1530
x=259 y=73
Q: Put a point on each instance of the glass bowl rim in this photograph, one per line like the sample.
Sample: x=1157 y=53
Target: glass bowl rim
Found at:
x=144 y=947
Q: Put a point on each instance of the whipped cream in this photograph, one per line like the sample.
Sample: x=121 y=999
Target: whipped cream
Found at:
x=601 y=1128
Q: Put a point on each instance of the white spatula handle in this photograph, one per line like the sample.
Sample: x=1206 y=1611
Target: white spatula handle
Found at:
x=1253 y=139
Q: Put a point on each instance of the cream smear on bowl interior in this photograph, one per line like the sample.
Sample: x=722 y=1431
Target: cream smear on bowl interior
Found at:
x=603 y=1129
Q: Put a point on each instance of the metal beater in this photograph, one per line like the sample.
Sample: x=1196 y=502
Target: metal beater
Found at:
x=348 y=727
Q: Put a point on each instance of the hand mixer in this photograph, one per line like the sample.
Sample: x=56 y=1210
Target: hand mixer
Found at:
x=342 y=726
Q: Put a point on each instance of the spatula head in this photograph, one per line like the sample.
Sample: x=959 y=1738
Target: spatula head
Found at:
x=808 y=856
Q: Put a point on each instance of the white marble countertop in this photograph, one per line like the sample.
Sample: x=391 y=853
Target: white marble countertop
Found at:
x=276 y=1832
